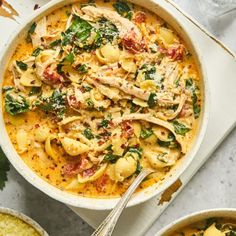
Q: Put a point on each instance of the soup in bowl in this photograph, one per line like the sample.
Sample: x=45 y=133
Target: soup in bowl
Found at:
x=215 y=222
x=94 y=92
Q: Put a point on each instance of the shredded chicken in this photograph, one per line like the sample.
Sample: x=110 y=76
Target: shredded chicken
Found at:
x=154 y=120
x=124 y=25
x=132 y=90
x=40 y=32
x=183 y=99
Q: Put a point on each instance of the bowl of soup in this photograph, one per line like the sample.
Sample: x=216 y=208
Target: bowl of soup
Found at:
x=14 y=223
x=94 y=92
x=214 y=222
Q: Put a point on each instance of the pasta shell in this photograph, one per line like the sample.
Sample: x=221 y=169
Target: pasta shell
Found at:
x=128 y=65
x=29 y=79
x=22 y=140
x=74 y=147
x=137 y=128
x=49 y=149
x=161 y=159
x=140 y=102
x=149 y=85
x=95 y=176
x=98 y=99
x=167 y=36
x=108 y=54
x=41 y=133
x=213 y=231
x=125 y=167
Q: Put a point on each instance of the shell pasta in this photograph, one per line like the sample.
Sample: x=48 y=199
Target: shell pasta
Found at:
x=96 y=91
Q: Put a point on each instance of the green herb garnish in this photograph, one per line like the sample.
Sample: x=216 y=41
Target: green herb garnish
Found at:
x=89 y=103
x=180 y=128
x=82 y=68
x=138 y=168
x=110 y=157
x=34 y=91
x=36 y=52
x=16 y=104
x=55 y=104
x=152 y=100
x=137 y=150
x=55 y=43
x=22 y=65
x=30 y=32
x=190 y=85
x=146 y=133
x=88 y=133
x=123 y=9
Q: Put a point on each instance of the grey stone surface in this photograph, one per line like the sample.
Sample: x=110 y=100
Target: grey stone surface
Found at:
x=213 y=186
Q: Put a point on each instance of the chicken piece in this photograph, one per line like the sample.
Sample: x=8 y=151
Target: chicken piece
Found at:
x=154 y=120
x=124 y=25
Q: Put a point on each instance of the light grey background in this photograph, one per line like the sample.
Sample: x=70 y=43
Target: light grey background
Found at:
x=213 y=186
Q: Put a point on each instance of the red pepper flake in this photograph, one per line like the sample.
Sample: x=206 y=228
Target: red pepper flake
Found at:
x=37 y=126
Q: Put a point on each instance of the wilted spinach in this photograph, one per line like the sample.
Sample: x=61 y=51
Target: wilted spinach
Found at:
x=16 y=104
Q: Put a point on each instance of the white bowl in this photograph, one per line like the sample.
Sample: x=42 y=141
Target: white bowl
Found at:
x=93 y=203
x=196 y=217
x=24 y=218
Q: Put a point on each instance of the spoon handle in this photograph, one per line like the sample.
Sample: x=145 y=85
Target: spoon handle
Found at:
x=107 y=226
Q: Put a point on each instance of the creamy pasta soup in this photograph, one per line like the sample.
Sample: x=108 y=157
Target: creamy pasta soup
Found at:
x=97 y=91
x=209 y=227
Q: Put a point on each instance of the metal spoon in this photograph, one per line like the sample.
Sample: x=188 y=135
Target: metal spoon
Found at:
x=107 y=226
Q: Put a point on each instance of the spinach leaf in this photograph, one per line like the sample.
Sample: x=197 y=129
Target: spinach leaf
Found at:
x=138 y=168
x=30 y=31
x=146 y=133
x=16 y=104
x=69 y=58
x=123 y=9
x=55 y=43
x=22 y=65
x=82 y=68
x=7 y=88
x=90 y=103
x=152 y=100
x=55 y=104
x=190 y=85
x=171 y=143
x=110 y=157
x=104 y=123
x=106 y=32
x=180 y=128
x=149 y=71
x=36 y=52
x=34 y=91
x=87 y=88
x=137 y=150
x=88 y=133
x=134 y=108
x=78 y=32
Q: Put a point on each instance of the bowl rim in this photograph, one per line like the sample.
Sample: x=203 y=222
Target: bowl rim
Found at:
x=100 y=203
x=24 y=218
x=197 y=216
